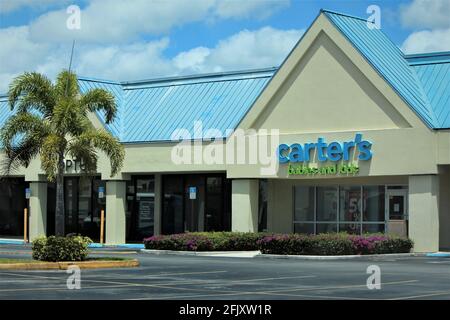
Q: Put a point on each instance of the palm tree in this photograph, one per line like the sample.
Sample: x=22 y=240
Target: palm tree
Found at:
x=51 y=121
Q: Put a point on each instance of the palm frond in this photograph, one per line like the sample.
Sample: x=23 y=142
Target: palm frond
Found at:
x=100 y=100
x=32 y=90
x=22 y=124
x=85 y=153
x=104 y=141
x=20 y=155
x=50 y=155
x=65 y=116
x=67 y=85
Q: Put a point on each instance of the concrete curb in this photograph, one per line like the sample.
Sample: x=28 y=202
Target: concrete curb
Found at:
x=347 y=257
x=65 y=265
x=259 y=255
x=230 y=254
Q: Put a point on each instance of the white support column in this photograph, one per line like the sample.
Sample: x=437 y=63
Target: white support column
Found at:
x=158 y=204
x=115 y=212
x=424 y=212
x=38 y=210
x=244 y=205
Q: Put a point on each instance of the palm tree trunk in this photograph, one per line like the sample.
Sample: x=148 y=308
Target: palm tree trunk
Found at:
x=59 y=212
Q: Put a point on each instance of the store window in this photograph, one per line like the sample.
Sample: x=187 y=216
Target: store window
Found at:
x=351 y=209
x=304 y=210
x=326 y=209
x=12 y=203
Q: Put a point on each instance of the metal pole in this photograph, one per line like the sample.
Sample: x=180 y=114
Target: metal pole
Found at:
x=102 y=225
x=25 y=225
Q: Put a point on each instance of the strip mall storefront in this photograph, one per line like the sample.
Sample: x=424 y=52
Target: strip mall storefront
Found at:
x=359 y=137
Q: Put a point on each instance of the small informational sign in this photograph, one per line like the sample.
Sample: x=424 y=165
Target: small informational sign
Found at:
x=101 y=192
x=27 y=193
x=192 y=193
x=396 y=207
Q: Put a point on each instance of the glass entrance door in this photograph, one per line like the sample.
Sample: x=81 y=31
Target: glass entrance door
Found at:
x=141 y=208
x=82 y=206
x=197 y=202
x=397 y=211
x=194 y=203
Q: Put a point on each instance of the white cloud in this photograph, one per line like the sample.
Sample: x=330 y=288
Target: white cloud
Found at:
x=111 y=41
x=427 y=41
x=265 y=47
x=8 y=6
x=18 y=52
x=127 y=62
x=426 y=14
x=431 y=22
x=244 y=9
x=107 y=21
x=113 y=21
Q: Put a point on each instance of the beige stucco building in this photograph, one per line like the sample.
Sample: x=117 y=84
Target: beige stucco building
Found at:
x=344 y=82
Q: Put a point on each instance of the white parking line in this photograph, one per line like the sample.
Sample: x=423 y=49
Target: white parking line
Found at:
x=432 y=294
x=183 y=273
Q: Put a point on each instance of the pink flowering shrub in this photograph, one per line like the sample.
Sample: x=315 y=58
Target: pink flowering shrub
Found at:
x=292 y=244
x=333 y=244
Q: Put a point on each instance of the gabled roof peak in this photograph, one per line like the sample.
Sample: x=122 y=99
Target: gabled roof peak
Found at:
x=342 y=14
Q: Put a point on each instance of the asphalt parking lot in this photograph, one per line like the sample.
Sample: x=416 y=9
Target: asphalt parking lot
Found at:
x=187 y=277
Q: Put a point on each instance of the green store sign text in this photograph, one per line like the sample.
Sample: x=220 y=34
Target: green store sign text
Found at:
x=346 y=169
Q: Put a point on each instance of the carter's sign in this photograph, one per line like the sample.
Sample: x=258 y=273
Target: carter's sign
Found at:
x=333 y=151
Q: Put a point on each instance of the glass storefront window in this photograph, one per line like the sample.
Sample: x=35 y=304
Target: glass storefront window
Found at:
x=352 y=209
x=307 y=228
x=326 y=228
x=351 y=228
x=374 y=203
x=304 y=204
x=327 y=200
x=12 y=203
x=350 y=203
x=373 y=228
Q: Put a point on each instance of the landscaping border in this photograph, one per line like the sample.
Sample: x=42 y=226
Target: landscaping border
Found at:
x=259 y=255
x=38 y=265
x=231 y=254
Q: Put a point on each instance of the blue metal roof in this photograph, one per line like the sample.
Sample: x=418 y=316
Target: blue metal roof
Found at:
x=115 y=88
x=433 y=71
x=151 y=110
x=388 y=60
x=5 y=111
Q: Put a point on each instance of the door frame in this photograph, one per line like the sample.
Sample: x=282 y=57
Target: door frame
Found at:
x=396 y=192
x=134 y=214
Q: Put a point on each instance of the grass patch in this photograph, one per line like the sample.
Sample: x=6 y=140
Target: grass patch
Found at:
x=11 y=261
x=108 y=259
x=8 y=261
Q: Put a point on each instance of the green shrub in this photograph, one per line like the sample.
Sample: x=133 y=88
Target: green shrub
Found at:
x=292 y=244
x=205 y=241
x=74 y=248
x=333 y=244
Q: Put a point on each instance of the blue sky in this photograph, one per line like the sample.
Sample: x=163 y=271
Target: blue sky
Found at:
x=137 y=39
